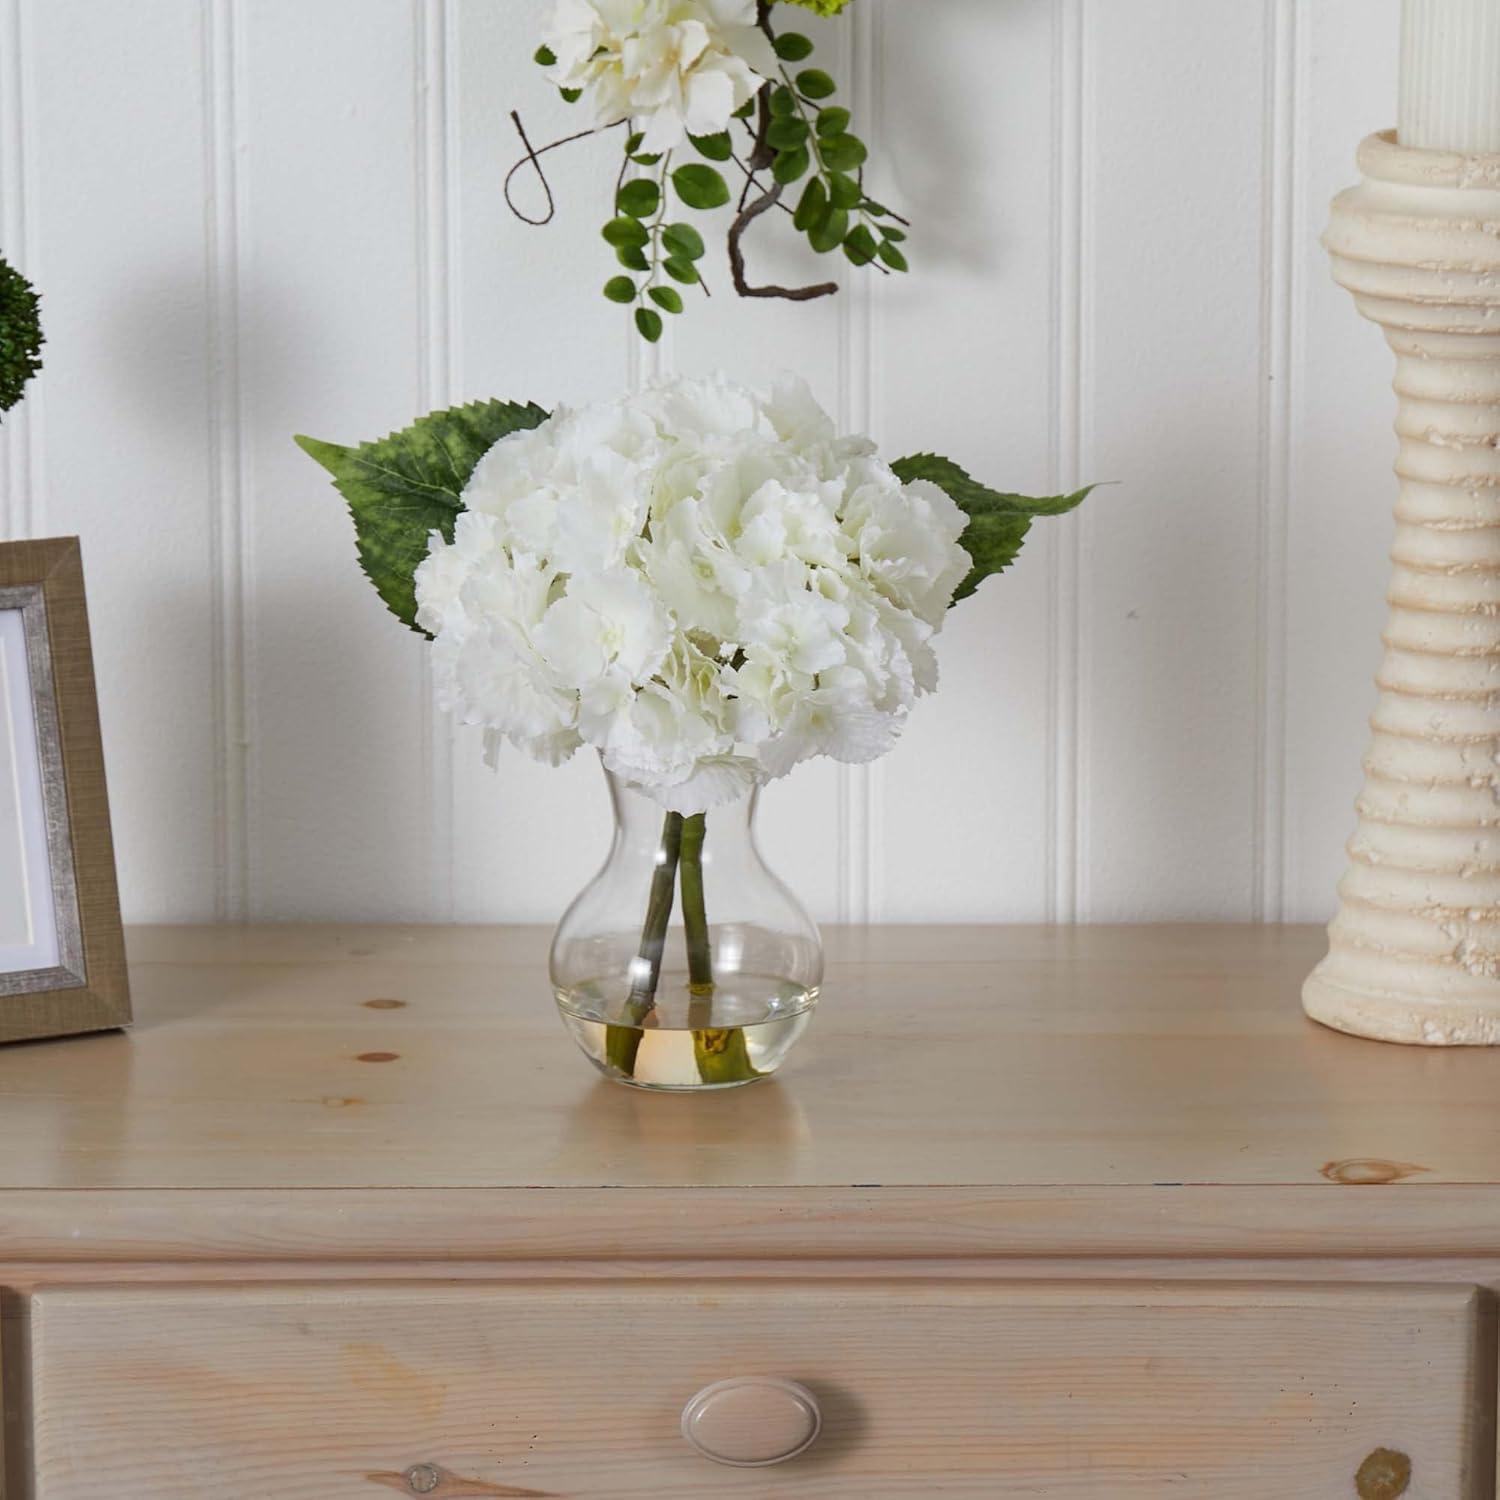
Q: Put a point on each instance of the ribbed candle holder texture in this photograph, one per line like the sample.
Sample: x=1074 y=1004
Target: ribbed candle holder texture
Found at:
x=1414 y=952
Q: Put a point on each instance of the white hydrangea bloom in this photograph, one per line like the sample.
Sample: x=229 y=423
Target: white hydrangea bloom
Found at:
x=673 y=67
x=706 y=586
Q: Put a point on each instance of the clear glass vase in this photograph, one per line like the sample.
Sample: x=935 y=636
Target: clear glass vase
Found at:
x=685 y=964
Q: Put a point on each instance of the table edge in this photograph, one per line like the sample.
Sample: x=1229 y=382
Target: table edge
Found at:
x=684 y=1223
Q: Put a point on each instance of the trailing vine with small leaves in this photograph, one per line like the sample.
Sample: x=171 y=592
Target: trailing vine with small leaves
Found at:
x=787 y=132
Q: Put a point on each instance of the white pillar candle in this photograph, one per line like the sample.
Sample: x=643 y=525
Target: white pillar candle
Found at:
x=1450 y=75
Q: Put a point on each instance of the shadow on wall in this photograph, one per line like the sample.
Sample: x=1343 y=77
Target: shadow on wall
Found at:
x=928 y=155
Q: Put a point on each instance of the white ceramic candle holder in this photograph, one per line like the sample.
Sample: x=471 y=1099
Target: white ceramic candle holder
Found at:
x=1414 y=953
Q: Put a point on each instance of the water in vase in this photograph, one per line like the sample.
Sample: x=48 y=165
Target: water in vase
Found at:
x=741 y=1031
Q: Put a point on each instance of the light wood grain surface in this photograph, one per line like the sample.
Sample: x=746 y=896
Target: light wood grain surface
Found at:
x=991 y=1057
x=973 y=1390
x=1054 y=1210
x=963 y=1091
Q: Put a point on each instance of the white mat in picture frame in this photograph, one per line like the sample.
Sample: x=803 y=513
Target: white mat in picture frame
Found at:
x=38 y=894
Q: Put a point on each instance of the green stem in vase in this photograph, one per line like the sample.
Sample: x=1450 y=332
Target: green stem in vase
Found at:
x=721 y=1052
x=623 y=1042
x=695 y=923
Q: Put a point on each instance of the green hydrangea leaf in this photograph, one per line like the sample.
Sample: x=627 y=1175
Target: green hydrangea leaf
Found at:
x=998 y=522
x=402 y=488
x=792 y=46
x=21 y=337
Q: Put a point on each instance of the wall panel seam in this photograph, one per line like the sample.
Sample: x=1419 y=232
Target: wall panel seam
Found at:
x=1081 y=525
x=860 y=844
x=1297 y=387
x=870 y=79
x=222 y=65
x=19 y=477
x=452 y=333
x=1277 y=379
x=1065 y=400
x=11 y=206
x=432 y=56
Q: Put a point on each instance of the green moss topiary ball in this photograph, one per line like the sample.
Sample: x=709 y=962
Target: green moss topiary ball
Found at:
x=21 y=336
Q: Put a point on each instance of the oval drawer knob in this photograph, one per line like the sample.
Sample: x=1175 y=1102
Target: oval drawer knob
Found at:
x=752 y=1421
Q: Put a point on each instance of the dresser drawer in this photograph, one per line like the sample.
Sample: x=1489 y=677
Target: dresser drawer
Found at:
x=576 y=1389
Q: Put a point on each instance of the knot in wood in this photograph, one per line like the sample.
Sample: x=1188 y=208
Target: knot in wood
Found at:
x=1384 y=1475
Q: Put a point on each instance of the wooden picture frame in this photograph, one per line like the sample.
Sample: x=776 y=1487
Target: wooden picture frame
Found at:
x=62 y=951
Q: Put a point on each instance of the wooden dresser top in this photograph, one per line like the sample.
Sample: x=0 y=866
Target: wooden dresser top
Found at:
x=1056 y=1084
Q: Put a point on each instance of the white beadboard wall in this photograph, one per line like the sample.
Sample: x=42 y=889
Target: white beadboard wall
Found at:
x=256 y=217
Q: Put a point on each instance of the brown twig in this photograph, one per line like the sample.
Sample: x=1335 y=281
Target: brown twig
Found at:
x=533 y=159
x=750 y=181
x=753 y=185
x=761 y=157
x=743 y=220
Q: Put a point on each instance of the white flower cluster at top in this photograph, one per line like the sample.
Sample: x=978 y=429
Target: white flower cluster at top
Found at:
x=705 y=584
x=675 y=67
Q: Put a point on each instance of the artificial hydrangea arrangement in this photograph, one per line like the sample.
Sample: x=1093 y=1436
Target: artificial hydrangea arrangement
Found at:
x=696 y=84
x=706 y=585
x=21 y=337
